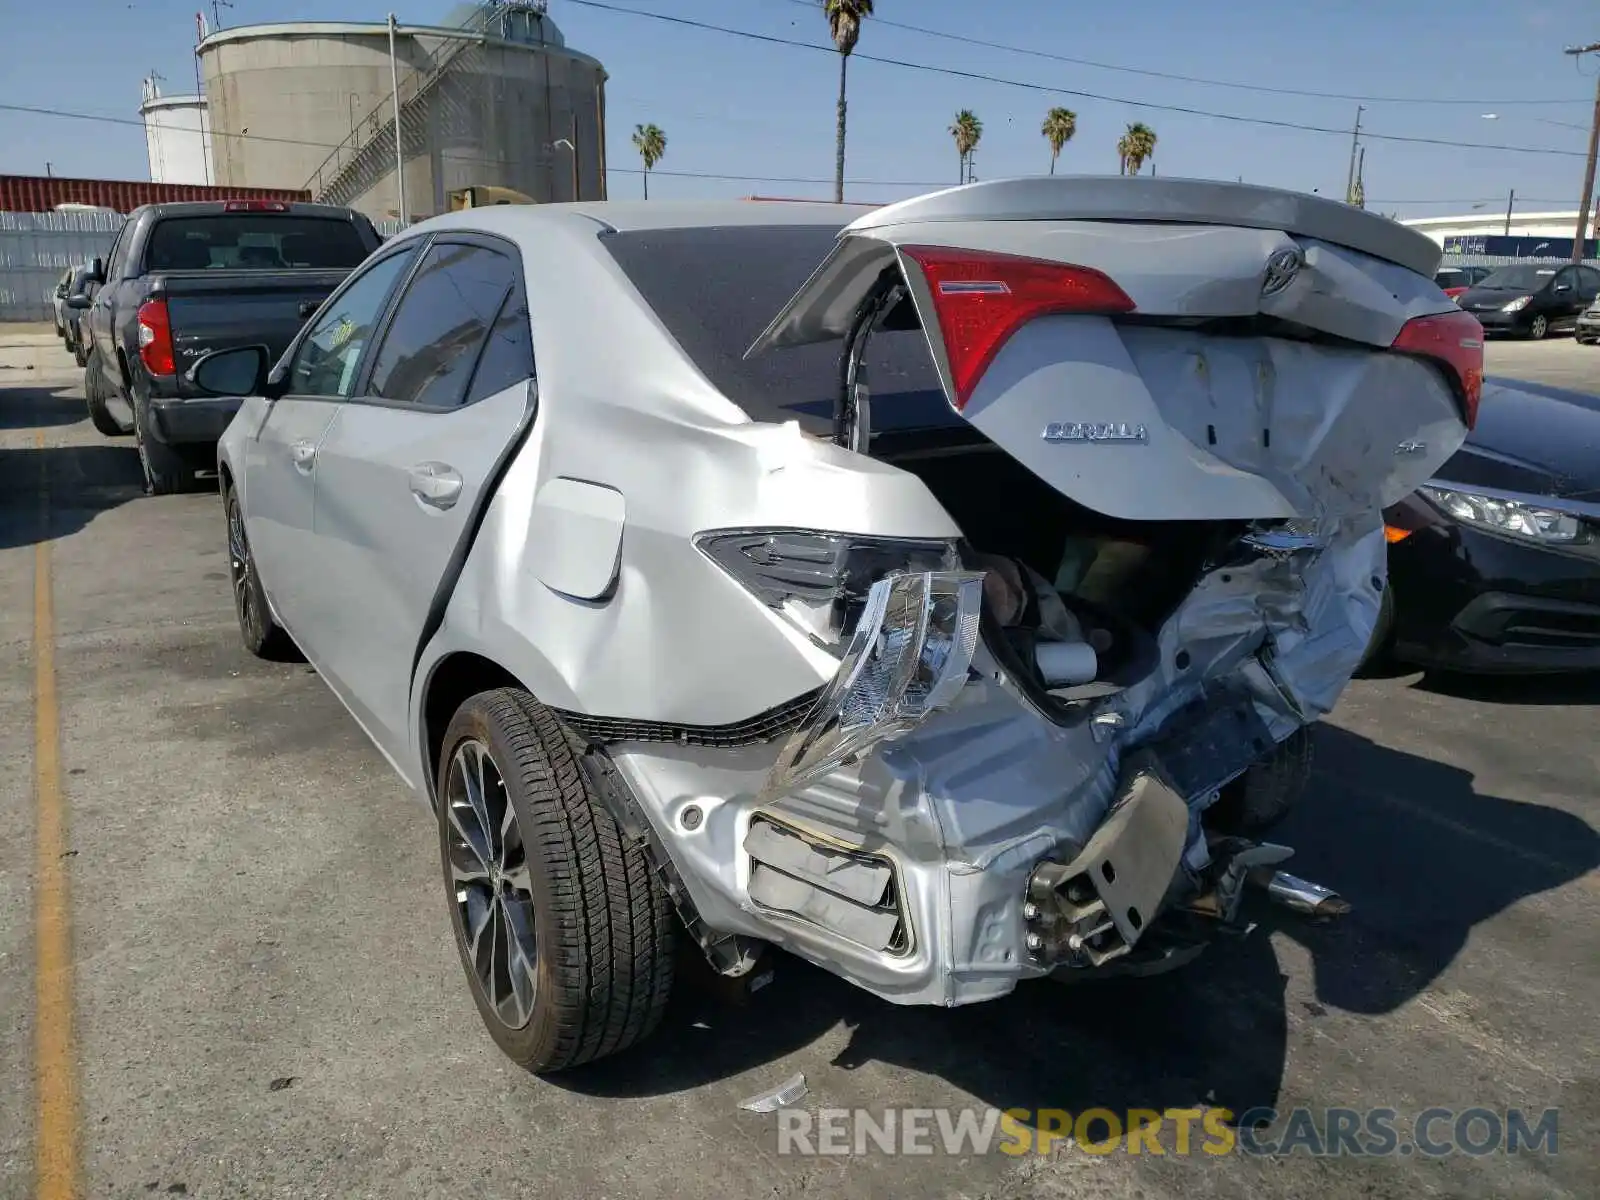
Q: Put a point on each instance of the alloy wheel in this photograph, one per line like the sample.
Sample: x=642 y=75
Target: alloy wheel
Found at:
x=242 y=569
x=490 y=882
x=1539 y=327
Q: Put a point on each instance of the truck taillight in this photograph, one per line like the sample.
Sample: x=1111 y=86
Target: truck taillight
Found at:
x=255 y=206
x=1455 y=341
x=155 y=338
x=983 y=298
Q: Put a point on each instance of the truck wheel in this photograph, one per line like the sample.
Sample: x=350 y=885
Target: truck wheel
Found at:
x=262 y=636
x=94 y=391
x=165 y=470
x=1265 y=794
x=565 y=935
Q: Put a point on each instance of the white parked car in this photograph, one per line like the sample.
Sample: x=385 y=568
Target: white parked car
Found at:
x=940 y=592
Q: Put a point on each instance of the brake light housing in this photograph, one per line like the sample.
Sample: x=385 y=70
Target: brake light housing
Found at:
x=982 y=298
x=1454 y=340
x=255 y=206
x=155 y=338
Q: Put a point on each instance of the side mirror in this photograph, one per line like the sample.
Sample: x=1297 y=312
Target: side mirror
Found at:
x=78 y=300
x=238 y=372
x=97 y=270
x=1562 y=287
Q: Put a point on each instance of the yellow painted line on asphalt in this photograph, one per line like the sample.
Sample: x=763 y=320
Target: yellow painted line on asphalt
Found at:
x=55 y=1050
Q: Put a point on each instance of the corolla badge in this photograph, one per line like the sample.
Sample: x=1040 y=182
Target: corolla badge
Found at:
x=1094 y=431
x=1282 y=267
x=1410 y=447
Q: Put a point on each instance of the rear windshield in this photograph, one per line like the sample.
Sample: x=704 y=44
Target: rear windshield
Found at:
x=253 y=242
x=716 y=289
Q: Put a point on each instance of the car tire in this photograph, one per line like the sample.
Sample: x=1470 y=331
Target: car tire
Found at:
x=261 y=634
x=1538 y=327
x=94 y=391
x=166 y=471
x=1266 y=793
x=575 y=907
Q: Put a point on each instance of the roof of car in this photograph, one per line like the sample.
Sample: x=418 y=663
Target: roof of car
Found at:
x=628 y=216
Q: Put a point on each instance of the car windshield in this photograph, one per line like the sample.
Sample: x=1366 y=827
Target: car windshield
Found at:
x=715 y=289
x=1522 y=278
x=254 y=241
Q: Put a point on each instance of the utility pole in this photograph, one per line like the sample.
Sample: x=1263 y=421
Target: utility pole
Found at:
x=1509 y=205
x=1355 y=140
x=399 y=149
x=1588 y=170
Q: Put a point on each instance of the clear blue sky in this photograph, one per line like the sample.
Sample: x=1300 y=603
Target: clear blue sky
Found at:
x=739 y=107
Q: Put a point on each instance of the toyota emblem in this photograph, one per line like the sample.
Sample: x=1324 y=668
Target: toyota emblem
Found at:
x=1282 y=267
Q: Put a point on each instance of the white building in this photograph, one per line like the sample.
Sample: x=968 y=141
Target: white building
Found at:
x=177 y=134
x=1489 y=223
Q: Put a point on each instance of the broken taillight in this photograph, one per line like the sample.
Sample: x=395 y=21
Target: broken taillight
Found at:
x=155 y=338
x=1455 y=340
x=983 y=298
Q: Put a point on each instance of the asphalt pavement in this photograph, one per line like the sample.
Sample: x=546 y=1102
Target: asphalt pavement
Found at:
x=264 y=999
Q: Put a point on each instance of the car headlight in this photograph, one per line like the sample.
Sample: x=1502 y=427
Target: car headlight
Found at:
x=1516 y=517
x=819 y=582
x=1517 y=305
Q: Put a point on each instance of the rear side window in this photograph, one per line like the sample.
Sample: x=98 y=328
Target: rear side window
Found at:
x=439 y=326
x=253 y=242
x=716 y=289
x=508 y=354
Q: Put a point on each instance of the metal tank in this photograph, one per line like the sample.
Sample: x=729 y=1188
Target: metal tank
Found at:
x=491 y=97
x=177 y=136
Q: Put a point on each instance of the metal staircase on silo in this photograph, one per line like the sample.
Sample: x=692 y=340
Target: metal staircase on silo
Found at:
x=366 y=157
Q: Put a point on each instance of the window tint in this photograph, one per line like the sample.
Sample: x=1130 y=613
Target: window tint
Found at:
x=326 y=362
x=1588 y=280
x=508 y=354
x=115 y=255
x=715 y=290
x=253 y=242
x=432 y=344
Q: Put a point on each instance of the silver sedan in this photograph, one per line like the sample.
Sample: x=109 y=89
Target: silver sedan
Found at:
x=937 y=592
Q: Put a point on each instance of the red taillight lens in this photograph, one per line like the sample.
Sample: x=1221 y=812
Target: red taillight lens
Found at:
x=155 y=338
x=255 y=206
x=982 y=299
x=1456 y=340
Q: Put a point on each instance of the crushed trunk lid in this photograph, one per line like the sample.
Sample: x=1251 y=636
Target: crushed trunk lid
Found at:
x=1162 y=349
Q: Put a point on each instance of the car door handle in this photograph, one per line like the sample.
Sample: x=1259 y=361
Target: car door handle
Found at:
x=436 y=484
x=304 y=454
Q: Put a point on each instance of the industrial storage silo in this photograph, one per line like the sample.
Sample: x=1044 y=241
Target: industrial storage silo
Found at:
x=177 y=136
x=491 y=97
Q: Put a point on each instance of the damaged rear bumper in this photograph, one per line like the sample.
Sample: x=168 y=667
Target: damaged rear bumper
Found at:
x=939 y=853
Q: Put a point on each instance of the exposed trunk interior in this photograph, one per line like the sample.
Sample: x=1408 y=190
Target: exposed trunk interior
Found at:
x=1120 y=579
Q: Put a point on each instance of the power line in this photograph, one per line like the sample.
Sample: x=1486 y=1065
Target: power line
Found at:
x=1221 y=83
x=981 y=77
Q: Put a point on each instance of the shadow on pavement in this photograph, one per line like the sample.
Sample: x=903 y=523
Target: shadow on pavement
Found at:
x=1423 y=857
x=83 y=481
x=1515 y=689
x=40 y=407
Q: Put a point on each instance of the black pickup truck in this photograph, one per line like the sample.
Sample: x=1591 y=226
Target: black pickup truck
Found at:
x=185 y=279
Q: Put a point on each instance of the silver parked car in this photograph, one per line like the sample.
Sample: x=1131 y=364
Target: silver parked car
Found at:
x=939 y=592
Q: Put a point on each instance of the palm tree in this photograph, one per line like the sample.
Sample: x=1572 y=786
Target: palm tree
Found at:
x=1135 y=147
x=1059 y=126
x=967 y=131
x=652 y=146
x=844 y=22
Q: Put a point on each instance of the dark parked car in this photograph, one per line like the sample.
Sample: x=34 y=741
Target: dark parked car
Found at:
x=1495 y=564
x=74 y=332
x=1532 y=300
x=187 y=278
x=1455 y=280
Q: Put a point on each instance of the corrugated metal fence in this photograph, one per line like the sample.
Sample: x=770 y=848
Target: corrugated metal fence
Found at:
x=35 y=248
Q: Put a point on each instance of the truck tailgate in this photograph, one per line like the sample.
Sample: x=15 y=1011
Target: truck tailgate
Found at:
x=217 y=310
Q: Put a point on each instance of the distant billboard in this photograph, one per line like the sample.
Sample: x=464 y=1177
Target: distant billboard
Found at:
x=1495 y=246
